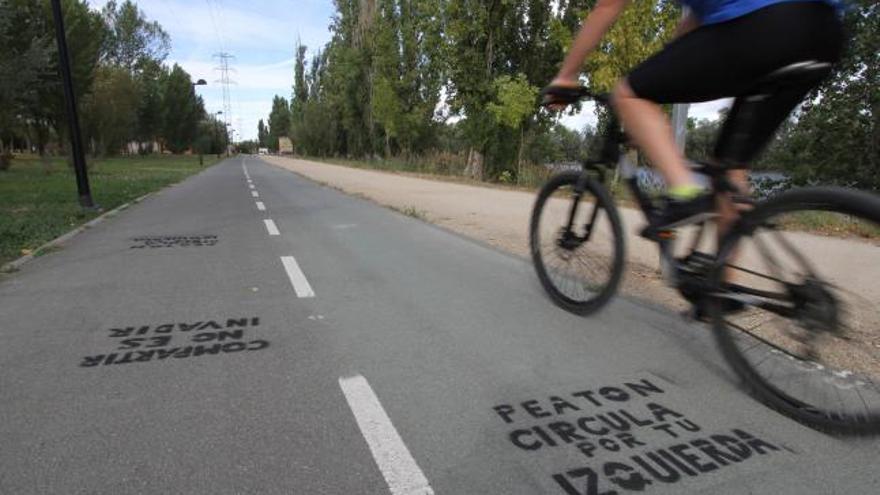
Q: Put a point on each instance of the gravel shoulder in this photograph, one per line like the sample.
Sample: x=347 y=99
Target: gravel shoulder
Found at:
x=500 y=217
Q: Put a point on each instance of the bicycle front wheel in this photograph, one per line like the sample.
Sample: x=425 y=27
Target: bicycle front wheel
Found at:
x=803 y=270
x=576 y=242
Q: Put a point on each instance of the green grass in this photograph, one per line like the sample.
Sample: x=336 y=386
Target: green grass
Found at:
x=412 y=211
x=38 y=200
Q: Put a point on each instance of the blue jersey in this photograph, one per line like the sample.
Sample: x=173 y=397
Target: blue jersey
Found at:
x=714 y=11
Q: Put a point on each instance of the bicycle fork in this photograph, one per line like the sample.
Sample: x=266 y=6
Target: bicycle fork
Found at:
x=570 y=239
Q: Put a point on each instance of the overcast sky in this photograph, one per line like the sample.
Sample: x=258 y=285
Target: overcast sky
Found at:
x=261 y=34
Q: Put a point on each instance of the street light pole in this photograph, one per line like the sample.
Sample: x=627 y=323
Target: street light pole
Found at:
x=79 y=159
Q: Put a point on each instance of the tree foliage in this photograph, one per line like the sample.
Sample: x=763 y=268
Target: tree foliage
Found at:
x=641 y=30
x=182 y=110
x=835 y=137
x=262 y=134
x=279 y=121
x=394 y=71
x=23 y=60
x=112 y=109
x=124 y=91
x=131 y=39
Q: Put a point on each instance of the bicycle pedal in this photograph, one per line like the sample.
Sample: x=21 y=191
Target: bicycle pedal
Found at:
x=698 y=262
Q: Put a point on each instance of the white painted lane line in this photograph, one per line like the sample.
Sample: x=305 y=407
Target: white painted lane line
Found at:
x=261 y=206
x=255 y=194
x=271 y=227
x=252 y=186
x=297 y=277
x=393 y=458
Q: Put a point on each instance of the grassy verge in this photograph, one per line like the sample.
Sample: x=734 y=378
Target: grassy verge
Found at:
x=38 y=200
x=830 y=224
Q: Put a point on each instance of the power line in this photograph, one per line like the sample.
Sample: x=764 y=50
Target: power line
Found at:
x=225 y=81
x=221 y=21
x=217 y=31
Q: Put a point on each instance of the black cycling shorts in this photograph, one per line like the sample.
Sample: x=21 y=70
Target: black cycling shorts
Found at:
x=728 y=59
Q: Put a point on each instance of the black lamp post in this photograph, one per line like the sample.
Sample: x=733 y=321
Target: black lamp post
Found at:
x=79 y=159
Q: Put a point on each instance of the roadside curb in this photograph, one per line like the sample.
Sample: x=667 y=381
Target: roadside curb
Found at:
x=16 y=264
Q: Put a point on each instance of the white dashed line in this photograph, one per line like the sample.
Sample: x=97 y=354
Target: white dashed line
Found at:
x=255 y=194
x=261 y=206
x=400 y=470
x=271 y=227
x=297 y=277
x=252 y=186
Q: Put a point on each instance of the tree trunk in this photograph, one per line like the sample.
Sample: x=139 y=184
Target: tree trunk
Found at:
x=387 y=146
x=519 y=156
x=474 y=167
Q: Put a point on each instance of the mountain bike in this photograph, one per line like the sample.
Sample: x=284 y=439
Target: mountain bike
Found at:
x=791 y=289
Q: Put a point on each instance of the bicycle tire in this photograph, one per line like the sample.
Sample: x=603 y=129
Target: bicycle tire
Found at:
x=770 y=391
x=601 y=198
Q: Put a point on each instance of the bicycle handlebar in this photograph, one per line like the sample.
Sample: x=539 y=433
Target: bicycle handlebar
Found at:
x=560 y=95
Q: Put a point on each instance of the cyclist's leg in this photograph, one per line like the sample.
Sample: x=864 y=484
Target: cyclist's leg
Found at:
x=721 y=60
x=649 y=128
x=692 y=68
x=748 y=128
x=751 y=123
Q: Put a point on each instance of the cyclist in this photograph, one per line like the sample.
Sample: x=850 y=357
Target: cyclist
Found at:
x=722 y=49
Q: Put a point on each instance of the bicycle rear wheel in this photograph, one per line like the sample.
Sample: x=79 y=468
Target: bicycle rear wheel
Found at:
x=806 y=265
x=579 y=258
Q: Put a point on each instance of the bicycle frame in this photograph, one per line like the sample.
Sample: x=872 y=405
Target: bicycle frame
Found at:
x=611 y=156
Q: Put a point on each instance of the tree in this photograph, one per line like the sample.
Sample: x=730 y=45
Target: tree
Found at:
x=835 y=138
x=132 y=40
x=85 y=40
x=300 y=90
x=85 y=32
x=701 y=138
x=211 y=137
x=182 y=110
x=249 y=147
x=489 y=39
x=262 y=134
x=150 y=123
x=473 y=29
x=112 y=110
x=515 y=101
x=279 y=121
x=23 y=58
x=641 y=30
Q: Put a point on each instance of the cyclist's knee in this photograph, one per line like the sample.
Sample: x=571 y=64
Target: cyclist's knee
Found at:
x=621 y=92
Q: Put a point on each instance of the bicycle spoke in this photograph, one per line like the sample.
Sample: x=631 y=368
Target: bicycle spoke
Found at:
x=810 y=340
x=573 y=243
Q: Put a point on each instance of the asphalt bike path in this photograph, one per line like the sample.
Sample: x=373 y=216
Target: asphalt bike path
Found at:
x=249 y=331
